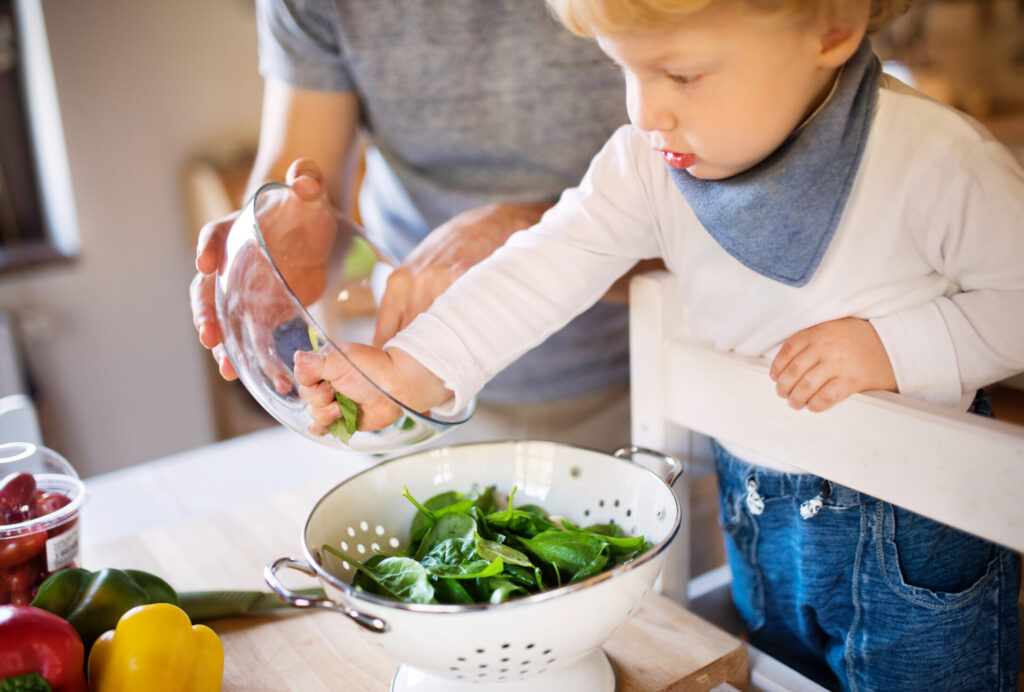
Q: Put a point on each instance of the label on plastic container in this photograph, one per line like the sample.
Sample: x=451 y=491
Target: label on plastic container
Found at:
x=62 y=549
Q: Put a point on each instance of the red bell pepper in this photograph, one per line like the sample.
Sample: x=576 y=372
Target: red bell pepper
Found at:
x=33 y=640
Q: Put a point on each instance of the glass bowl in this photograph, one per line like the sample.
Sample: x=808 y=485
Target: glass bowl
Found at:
x=276 y=295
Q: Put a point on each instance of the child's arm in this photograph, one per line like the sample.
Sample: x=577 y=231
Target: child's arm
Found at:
x=967 y=223
x=822 y=365
x=503 y=306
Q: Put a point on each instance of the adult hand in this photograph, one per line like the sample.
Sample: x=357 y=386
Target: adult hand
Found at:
x=299 y=250
x=445 y=255
x=822 y=365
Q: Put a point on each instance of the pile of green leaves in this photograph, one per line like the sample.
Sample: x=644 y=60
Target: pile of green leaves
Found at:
x=465 y=548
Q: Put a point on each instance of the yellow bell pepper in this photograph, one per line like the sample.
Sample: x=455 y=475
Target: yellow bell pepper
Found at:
x=155 y=648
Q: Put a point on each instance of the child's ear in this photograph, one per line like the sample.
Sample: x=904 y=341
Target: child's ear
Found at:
x=840 y=39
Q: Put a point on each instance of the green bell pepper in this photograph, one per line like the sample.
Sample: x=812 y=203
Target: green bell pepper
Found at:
x=93 y=602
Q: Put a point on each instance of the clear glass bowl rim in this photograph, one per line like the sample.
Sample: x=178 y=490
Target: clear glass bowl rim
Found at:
x=253 y=201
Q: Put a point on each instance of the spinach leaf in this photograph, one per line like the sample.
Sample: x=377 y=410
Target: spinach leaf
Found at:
x=520 y=522
x=619 y=545
x=401 y=578
x=451 y=591
x=464 y=548
x=492 y=550
x=499 y=590
x=427 y=514
x=569 y=552
x=447 y=526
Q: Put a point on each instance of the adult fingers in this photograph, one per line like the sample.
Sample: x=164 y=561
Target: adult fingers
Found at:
x=204 y=310
x=430 y=283
x=390 y=313
x=306 y=179
x=210 y=246
x=227 y=370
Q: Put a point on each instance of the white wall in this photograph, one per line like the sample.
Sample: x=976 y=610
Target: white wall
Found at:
x=142 y=86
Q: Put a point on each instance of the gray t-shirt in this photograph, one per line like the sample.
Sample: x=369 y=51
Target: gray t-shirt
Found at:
x=466 y=102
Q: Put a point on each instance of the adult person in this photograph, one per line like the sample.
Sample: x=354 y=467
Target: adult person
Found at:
x=476 y=116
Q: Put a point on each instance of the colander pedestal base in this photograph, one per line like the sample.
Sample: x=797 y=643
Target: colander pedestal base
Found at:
x=593 y=673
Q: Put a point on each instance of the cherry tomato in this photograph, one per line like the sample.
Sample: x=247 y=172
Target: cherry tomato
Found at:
x=17 y=549
x=21 y=597
x=23 y=577
x=17 y=490
x=49 y=502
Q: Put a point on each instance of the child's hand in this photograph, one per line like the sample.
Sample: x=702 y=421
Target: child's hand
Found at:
x=402 y=376
x=822 y=365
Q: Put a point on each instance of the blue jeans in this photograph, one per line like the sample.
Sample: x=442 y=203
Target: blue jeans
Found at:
x=859 y=594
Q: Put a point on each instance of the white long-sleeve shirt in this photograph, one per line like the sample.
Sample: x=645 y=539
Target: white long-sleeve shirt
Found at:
x=930 y=249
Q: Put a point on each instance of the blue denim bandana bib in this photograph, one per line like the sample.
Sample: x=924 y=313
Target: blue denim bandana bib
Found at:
x=779 y=217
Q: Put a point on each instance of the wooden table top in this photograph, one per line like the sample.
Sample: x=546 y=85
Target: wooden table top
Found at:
x=663 y=647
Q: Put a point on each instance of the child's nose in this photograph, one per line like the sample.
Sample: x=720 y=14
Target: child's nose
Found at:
x=647 y=110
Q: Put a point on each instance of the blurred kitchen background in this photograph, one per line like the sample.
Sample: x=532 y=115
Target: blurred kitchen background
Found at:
x=158 y=106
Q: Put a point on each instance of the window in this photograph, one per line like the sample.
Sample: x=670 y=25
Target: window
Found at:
x=37 y=220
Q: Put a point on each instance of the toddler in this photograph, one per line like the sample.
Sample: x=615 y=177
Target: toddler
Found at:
x=814 y=211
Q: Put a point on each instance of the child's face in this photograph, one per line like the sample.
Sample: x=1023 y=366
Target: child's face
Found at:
x=721 y=92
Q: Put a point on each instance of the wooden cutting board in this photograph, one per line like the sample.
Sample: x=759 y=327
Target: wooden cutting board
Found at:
x=663 y=647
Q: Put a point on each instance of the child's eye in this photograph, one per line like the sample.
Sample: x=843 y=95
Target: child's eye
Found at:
x=683 y=78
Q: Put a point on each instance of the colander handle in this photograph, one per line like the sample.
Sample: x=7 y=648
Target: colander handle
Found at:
x=675 y=467
x=368 y=622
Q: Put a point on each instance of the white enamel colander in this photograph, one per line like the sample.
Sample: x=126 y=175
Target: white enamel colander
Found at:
x=548 y=641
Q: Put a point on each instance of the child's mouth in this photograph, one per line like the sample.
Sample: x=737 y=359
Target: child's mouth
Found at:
x=680 y=161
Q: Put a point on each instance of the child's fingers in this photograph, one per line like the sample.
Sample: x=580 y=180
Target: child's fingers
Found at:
x=325 y=415
x=833 y=391
x=308 y=368
x=376 y=410
x=787 y=377
x=319 y=394
x=789 y=349
x=808 y=385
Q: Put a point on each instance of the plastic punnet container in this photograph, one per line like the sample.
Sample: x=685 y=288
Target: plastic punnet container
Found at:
x=40 y=498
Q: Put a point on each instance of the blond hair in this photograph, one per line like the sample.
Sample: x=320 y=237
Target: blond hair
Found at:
x=591 y=17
